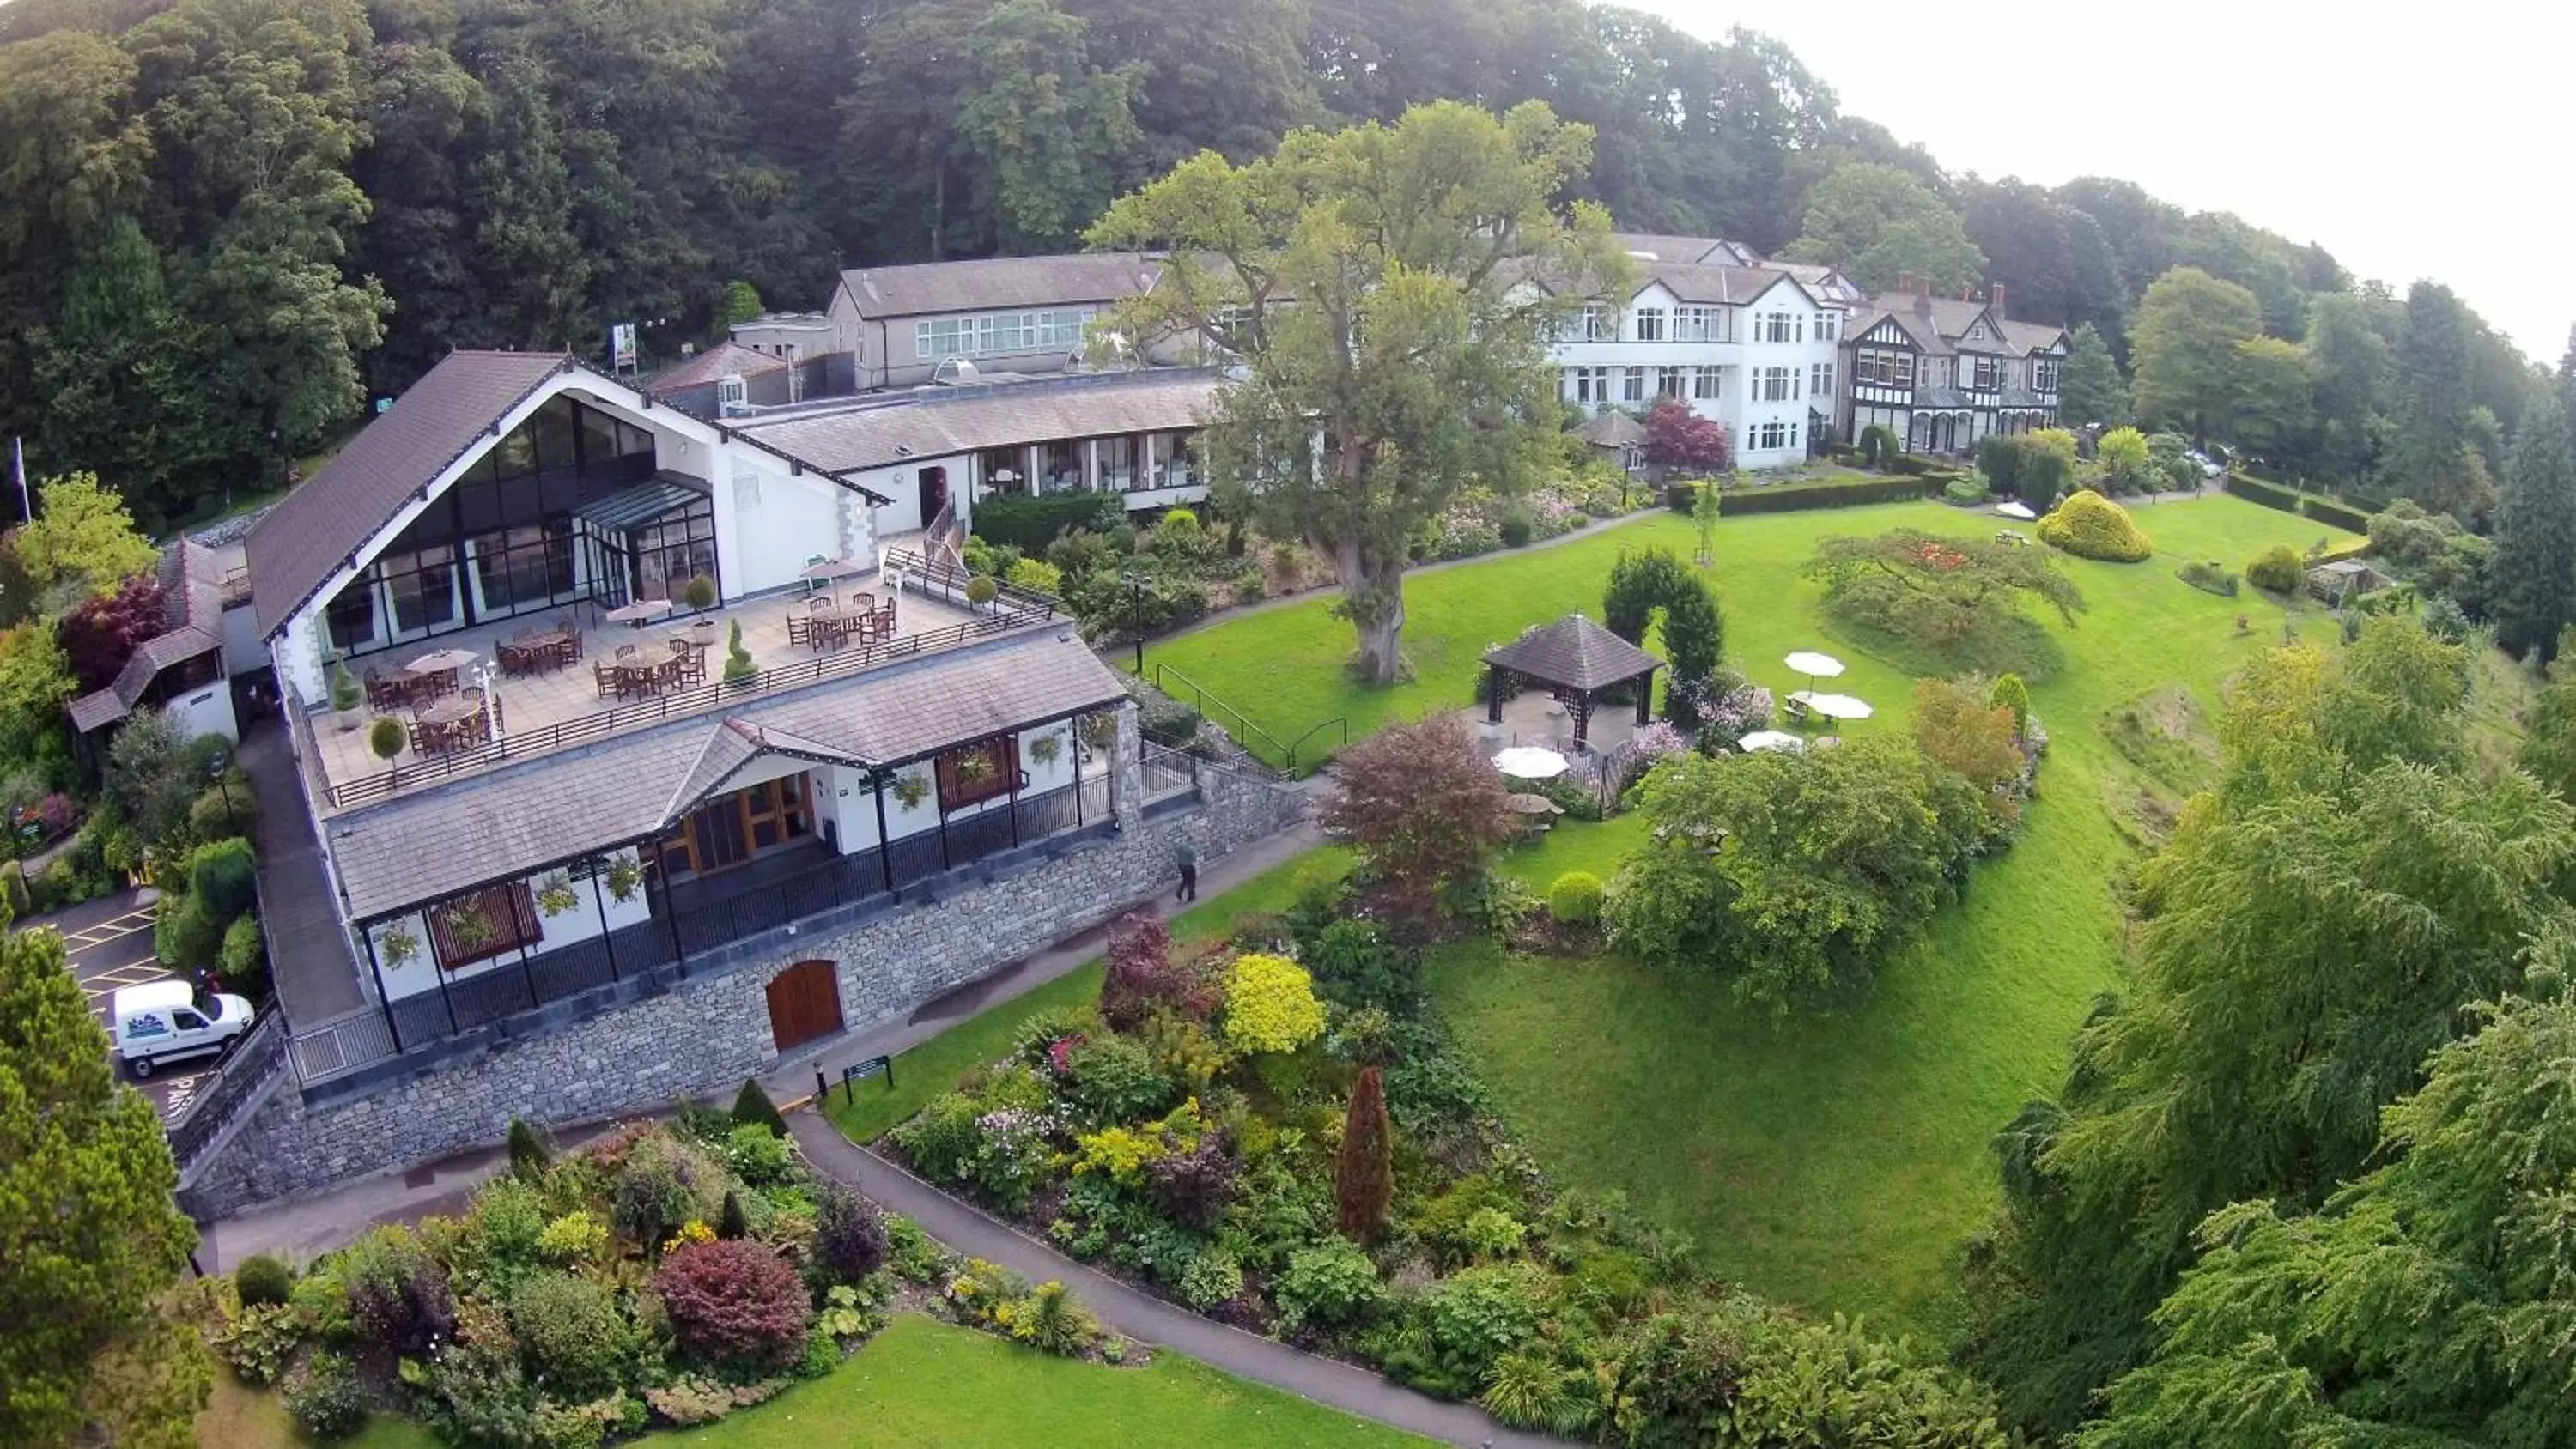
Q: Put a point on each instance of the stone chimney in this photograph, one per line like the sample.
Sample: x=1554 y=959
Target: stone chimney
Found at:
x=1995 y=302
x=1913 y=284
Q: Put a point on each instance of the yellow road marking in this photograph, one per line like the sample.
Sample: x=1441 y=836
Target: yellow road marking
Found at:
x=110 y=930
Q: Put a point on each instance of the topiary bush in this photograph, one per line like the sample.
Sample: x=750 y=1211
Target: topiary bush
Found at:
x=2275 y=570
x=734 y=1302
x=2010 y=693
x=1574 y=899
x=2089 y=525
x=752 y=1107
x=262 y=1279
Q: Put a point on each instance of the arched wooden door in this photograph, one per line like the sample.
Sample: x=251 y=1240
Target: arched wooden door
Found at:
x=804 y=1003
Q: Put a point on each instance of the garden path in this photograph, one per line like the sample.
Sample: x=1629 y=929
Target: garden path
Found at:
x=1142 y=1316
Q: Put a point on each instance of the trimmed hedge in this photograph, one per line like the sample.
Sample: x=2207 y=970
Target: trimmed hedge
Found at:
x=1031 y=523
x=2349 y=548
x=2291 y=500
x=2089 y=525
x=1792 y=497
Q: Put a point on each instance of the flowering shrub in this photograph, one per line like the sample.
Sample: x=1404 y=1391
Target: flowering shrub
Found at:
x=733 y=1301
x=1739 y=709
x=572 y=1333
x=573 y=1238
x=1013 y=1154
x=1118 y=1154
x=1270 y=1005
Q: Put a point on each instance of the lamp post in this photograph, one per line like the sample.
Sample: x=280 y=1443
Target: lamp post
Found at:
x=217 y=765
x=483 y=675
x=1135 y=582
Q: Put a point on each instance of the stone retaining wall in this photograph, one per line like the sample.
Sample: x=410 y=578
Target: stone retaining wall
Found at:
x=709 y=1033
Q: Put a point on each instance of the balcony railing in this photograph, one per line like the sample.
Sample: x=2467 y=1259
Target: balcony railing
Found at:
x=1011 y=609
x=697 y=919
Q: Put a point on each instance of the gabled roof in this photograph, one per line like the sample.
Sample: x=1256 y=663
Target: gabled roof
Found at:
x=930 y=289
x=515 y=821
x=321 y=525
x=736 y=742
x=1574 y=653
x=945 y=421
x=192 y=605
x=1938 y=323
x=725 y=359
x=1662 y=248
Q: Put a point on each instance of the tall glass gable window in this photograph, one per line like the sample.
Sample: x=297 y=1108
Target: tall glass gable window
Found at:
x=503 y=540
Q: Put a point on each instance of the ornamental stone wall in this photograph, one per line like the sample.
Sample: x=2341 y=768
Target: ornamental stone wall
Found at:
x=709 y=1032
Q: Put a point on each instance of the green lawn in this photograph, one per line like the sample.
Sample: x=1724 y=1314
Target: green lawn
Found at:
x=922 y=1384
x=1836 y=1163
x=933 y=1066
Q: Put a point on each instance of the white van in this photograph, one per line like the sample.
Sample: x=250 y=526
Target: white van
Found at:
x=162 y=1020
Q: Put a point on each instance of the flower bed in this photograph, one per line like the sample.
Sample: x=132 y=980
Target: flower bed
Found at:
x=1273 y=1130
x=661 y=1276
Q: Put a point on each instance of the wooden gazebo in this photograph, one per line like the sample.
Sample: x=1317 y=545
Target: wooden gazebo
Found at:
x=1577 y=661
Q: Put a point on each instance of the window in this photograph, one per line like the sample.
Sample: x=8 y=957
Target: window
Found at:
x=972 y=774
x=1650 y=324
x=1632 y=387
x=483 y=924
x=671 y=550
x=730 y=392
x=1000 y=333
x=1829 y=325
x=1775 y=384
x=1901 y=374
x=423 y=586
x=1820 y=380
x=524 y=567
x=2043 y=374
x=1793 y=435
x=1590 y=384
x=1702 y=324
x=1670 y=381
x=1773 y=435
x=1599 y=323
x=1708 y=383
x=1984 y=375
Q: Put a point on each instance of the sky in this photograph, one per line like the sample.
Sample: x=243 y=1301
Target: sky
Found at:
x=2424 y=140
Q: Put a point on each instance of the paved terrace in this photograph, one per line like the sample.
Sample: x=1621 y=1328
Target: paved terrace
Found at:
x=563 y=707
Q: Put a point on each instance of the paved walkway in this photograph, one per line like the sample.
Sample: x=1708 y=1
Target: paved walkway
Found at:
x=309 y=961
x=1139 y=1315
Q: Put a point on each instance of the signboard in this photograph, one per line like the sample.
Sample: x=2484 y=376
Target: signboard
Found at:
x=621 y=344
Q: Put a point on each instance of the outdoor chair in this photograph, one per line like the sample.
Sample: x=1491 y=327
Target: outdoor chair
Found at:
x=380 y=692
x=800 y=629
x=814 y=586
x=605 y=677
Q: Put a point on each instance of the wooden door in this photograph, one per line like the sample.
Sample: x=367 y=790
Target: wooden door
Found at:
x=804 y=1003
x=934 y=494
x=718 y=839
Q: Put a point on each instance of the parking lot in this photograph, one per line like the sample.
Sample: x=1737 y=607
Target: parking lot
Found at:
x=110 y=945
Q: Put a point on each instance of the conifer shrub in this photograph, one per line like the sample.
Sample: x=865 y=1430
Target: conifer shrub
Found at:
x=2089 y=525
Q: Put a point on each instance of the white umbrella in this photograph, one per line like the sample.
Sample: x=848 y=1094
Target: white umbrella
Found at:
x=2016 y=509
x=440 y=661
x=1529 y=762
x=639 y=611
x=1773 y=740
x=1814 y=665
x=1834 y=706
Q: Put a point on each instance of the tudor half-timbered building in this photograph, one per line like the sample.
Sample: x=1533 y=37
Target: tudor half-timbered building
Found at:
x=1941 y=373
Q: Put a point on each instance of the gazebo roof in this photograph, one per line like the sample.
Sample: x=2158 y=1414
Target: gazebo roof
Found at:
x=1612 y=430
x=1574 y=653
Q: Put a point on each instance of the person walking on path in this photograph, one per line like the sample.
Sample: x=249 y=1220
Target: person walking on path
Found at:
x=1188 y=855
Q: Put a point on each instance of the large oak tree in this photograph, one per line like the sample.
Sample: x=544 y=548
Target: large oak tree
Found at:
x=1387 y=293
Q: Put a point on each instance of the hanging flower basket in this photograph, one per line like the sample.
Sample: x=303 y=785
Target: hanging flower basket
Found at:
x=625 y=877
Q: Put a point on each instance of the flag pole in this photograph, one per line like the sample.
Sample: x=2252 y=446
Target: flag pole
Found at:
x=18 y=471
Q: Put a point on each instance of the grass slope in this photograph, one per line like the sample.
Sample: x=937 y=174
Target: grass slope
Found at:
x=1835 y=1163
x=933 y=1066
x=922 y=1384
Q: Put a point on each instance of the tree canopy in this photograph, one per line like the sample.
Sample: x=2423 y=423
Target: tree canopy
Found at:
x=1877 y=221
x=2185 y=344
x=1373 y=282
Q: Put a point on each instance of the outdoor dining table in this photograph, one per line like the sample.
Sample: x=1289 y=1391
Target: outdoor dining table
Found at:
x=832 y=627
x=454 y=723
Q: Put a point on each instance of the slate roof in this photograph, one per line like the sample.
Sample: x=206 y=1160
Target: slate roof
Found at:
x=1664 y=248
x=961 y=420
x=931 y=289
x=315 y=529
x=193 y=606
x=516 y=821
x=1612 y=430
x=1936 y=330
x=1574 y=653
x=734 y=743
x=725 y=359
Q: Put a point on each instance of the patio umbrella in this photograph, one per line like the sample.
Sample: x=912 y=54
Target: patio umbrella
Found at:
x=833 y=568
x=1814 y=665
x=1773 y=740
x=2016 y=509
x=639 y=611
x=439 y=661
x=1529 y=762
x=1834 y=706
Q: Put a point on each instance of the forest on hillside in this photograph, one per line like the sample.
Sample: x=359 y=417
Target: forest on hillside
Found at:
x=224 y=224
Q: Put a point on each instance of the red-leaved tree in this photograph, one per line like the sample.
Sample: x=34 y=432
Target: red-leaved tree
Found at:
x=104 y=630
x=734 y=1301
x=1424 y=805
x=1676 y=437
x=1364 y=1169
x=1143 y=975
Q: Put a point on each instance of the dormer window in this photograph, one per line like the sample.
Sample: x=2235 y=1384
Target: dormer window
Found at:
x=730 y=392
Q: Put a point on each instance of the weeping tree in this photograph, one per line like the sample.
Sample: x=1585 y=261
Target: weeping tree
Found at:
x=1387 y=293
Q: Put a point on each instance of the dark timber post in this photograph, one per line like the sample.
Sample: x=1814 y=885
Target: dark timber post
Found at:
x=885 y=842
x=670 y=912
x=1645 y=698
x=1494 y=677
x=599 y=899
x=437 y=968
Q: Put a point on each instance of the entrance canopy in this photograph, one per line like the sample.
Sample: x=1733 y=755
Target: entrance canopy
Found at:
x=1577 y=661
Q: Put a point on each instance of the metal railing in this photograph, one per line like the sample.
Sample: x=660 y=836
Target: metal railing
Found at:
x=695 y=920
x=1257 y=742
x=222 y=1093
x=1011 y=609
